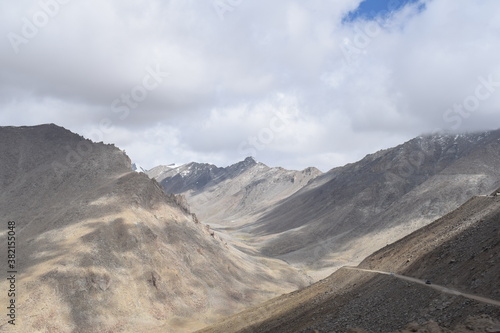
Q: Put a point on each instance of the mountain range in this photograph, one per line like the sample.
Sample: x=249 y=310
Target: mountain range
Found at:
x=101 y=248
x=321 y=221
x=442 y=278
x=405 y=240
x=243 y=189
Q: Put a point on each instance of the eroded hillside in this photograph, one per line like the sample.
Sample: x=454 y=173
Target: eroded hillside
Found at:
x=104 y=249
x=321 y=222
x=231 y=196
x=458 y=254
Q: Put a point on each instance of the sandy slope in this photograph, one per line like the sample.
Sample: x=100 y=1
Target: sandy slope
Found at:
x=460 y=251
x=103 y=249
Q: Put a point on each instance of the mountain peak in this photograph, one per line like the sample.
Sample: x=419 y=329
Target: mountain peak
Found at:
x=249 y=161
x=311 y=171
x=242 y=166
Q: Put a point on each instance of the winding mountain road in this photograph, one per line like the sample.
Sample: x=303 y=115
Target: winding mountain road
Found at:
x=433 y=286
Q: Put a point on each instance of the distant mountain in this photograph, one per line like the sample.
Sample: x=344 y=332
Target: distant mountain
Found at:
x=100 y=248
x=351 y=211
x=220 y=195
x=418 y=284
x=158 y=171
x=319 y=222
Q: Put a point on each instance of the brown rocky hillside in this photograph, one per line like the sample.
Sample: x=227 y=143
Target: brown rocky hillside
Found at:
x=102 y=249
x=460 y=252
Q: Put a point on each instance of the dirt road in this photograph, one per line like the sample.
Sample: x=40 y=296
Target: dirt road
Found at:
x=433 y=286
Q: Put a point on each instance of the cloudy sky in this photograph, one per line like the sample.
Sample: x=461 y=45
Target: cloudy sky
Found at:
x=293 y=83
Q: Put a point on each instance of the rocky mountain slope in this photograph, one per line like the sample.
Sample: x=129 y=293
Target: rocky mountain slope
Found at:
x=460 y=252
x=354 y=210
x=100 y=248
x=232 y=195
x=319 y=222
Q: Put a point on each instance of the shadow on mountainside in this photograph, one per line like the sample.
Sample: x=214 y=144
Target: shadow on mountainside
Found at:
x=460 y=251
x=371 y=197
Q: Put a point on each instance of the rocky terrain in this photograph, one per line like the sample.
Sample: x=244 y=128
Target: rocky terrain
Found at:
x=458 y=254
x=100 y=248
x=352 y=211
x=482 y=323
x=321 y=222
x=234 y=194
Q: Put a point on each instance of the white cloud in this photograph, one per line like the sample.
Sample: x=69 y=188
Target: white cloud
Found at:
x=226 y=76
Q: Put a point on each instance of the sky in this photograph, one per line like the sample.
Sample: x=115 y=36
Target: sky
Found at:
x=292 y=83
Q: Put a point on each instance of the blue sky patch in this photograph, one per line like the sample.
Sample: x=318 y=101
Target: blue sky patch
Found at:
x=370 y=9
